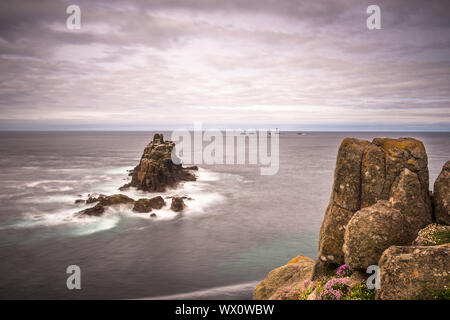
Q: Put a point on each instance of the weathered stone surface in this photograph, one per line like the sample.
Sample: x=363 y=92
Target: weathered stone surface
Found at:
x=441 y=197
x=404 y=153
x=177 y=204
x=156 y=170
x=331 y=236
x=413 y=272
x=372 y=230
x=407 y=196
x=347 y=176
x=292 y=275
x=146 y=205
x=367 y=172
x=373 y=175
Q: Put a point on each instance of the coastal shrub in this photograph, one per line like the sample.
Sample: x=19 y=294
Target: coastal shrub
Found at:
x=344 y=271
x=360 y=292
x=433 y=235
x=442 y=295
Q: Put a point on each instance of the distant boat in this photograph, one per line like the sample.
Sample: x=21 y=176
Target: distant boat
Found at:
x=301 y=133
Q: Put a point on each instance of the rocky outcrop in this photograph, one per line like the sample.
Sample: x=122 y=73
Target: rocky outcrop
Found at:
x=380 y=205
x=156 y=171
x=365 y=173
x=146 y=205
x=177 y=204
x=441 y=196
x=413 y=272
x=371 y=231
x=407 y=196
x=106 y=201
x=292 y=275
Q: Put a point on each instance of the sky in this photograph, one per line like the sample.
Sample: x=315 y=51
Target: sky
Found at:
x=163 y=64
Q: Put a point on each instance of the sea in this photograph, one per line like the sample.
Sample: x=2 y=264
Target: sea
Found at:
x=238 y=226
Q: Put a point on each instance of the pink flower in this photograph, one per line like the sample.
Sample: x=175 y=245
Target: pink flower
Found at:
x=344 y=271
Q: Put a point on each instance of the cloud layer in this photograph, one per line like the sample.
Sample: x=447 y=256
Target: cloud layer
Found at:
x=163 y=64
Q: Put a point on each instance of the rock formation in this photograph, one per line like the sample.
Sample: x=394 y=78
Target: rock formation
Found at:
x=146 y=205
x=413 y=272
x=441 y=197
x=293 y=274
x=370 y=231
x=379 y=213
x=373 y=229
x=367 y=172
x=177 y=204
x=106 y=201
x=156 y=171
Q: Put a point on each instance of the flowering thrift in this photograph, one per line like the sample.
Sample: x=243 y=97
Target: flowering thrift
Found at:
x=344 y=271
x=334 y=289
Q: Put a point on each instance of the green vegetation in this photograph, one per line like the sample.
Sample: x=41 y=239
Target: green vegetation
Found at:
x=442 y=295
x=433 y=235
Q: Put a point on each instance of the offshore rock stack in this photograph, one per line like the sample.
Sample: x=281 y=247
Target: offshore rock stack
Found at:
x=380 y=201
x=156 y=172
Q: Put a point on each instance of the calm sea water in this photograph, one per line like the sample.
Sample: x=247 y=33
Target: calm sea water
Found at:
x=239 y=226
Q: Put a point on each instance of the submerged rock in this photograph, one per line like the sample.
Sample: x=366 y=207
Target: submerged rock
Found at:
x=96 y=211
x=156 y=171
x=413 y=272
x=177 y=204
x=146 y=205
x=441 y=197
x=94 y=198
x=115 y=200
x=292 y=275
x=105 y=201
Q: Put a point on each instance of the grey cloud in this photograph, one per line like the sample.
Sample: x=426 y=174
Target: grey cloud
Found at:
x=172 y=62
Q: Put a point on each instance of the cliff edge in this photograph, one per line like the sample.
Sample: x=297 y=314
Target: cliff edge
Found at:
x=380 y=202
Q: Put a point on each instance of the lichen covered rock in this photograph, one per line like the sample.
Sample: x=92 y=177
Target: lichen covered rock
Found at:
x=368 y=172
x=292 y=275
x=413 y=272
x=371 y=231
x=441 y=197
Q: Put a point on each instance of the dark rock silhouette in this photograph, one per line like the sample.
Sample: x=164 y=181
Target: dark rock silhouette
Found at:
x=156 y=171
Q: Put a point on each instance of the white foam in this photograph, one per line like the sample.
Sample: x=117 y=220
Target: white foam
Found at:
x=39 y=182
x=212 y=292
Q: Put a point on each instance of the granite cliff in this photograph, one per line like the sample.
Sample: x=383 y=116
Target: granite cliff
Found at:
x=379 y=207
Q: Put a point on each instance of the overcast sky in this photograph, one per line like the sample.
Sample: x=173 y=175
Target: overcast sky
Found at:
x=292 y=64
